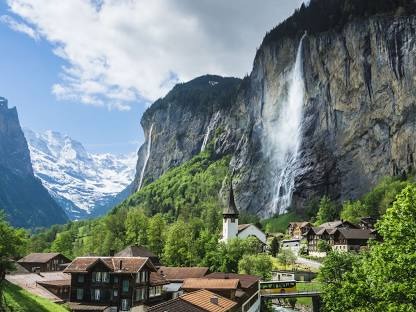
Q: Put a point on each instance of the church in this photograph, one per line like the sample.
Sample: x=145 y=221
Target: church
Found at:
x=230 y=227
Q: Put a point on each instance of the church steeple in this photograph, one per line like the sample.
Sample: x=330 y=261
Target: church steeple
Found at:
x=231 y=209
x=230 y=218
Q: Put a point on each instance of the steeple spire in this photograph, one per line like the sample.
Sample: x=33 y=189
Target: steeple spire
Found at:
x=231 y=209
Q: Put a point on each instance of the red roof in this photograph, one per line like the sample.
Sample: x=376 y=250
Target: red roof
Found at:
x=210 y=283
x=246 y=280
x=179 y=274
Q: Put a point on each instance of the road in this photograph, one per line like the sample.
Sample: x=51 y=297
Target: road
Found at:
x=310 y=263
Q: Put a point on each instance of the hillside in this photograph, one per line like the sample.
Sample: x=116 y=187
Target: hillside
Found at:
x=19 y=300
x=22 y=196
x=328 y=109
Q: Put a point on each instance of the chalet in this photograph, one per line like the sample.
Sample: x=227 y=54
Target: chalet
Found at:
x=241 y=288
x=176 y=275
x=340 y=235
x=230 y=227
x=297 y=229
x=123 y=283
x=44 y=262
x=367 y=223
x=139 y=251
x=323 y=232
x=350 y=239
x=197 y=301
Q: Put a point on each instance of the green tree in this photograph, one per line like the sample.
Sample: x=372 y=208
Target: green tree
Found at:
x=286 y=257
x=179 y=245
x=156 y=233
x=136 y=227
x=274 y=247
x=63 y=243
x=328 y=211
x=354 y=210
x=323 y=246
x=260 y=265
x=13 y=244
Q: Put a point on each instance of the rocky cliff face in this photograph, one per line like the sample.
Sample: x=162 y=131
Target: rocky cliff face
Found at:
x=23 y=198
x=358 y=119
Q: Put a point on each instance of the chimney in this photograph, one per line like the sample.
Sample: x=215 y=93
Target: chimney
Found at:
x=214 y=300
x=112 y=252
x=121 y=265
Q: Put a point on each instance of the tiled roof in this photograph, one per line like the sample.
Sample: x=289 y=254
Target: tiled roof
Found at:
x=210 y=283
x=114 y=264
x=57 y=283
x=179 y=274
x=156 y=279
x=175 y=305
x=40 y=257
x=246 y=281
x=202 y=298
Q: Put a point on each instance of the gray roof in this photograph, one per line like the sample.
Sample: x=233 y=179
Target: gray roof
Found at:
x=39 y=257
x=355 y=233
x=231 y=209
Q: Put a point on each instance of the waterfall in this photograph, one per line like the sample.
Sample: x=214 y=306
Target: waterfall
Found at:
x=146 y=159
x=284 y=134
x=211 y=125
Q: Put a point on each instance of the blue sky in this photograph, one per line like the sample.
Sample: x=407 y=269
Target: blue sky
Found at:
x=91 y=70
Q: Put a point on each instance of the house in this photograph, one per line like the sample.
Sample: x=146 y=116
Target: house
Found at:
x=123 y=283
x=175 y=277
x=196 y=301
x=44 y=262
x=297 y=229
x=367 y=223
x=139 y=251
x=230 y=227
x=292 y=244
x=241 y=288
x=323 y=232
x=339 y=235
x=350 y=239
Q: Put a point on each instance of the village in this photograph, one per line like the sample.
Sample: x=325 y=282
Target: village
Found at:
x=135 y=279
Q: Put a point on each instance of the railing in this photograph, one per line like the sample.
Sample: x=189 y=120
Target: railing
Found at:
x=248 y=304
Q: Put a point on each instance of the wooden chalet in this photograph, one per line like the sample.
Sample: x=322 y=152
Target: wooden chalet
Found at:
x=44 y=262
x=120 y=283
x=297 y=229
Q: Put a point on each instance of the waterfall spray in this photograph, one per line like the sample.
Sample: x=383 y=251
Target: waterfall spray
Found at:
x=286 y=137
x=146 y=159
x=211 y=125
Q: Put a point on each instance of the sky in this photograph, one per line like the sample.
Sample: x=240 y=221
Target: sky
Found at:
x=90 y=68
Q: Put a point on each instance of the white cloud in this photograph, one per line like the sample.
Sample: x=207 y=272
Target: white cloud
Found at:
x=18 y=26
x=119 y=51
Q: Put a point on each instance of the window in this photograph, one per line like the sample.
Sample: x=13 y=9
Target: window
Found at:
x=125 y=286
x=140 y=294
x=80 y=294
x=105 y=277
x=97 y=294
x=155 y=291
x=115 y=293
x=116 y=279
x=80 y=278
x=125 y=305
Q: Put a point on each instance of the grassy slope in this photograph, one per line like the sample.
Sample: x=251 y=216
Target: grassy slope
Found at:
x=280 y=223
x=19 y=300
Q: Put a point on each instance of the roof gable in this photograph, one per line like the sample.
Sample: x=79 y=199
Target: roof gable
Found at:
x=202 y=298
x=40 y=257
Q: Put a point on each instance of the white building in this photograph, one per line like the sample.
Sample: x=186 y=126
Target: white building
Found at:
x=230 y=227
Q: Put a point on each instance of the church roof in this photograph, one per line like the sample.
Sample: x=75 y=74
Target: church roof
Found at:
x=231 y=208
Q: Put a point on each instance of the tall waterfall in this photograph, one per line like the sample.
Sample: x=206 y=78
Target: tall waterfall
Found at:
x=285 y=134
x=146 y=158
x=211 y=125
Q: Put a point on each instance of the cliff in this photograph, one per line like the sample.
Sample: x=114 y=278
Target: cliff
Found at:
x=23 y=198
x=357 y=95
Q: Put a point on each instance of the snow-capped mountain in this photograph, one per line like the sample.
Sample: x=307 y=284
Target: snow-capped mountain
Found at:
x=83 y=183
